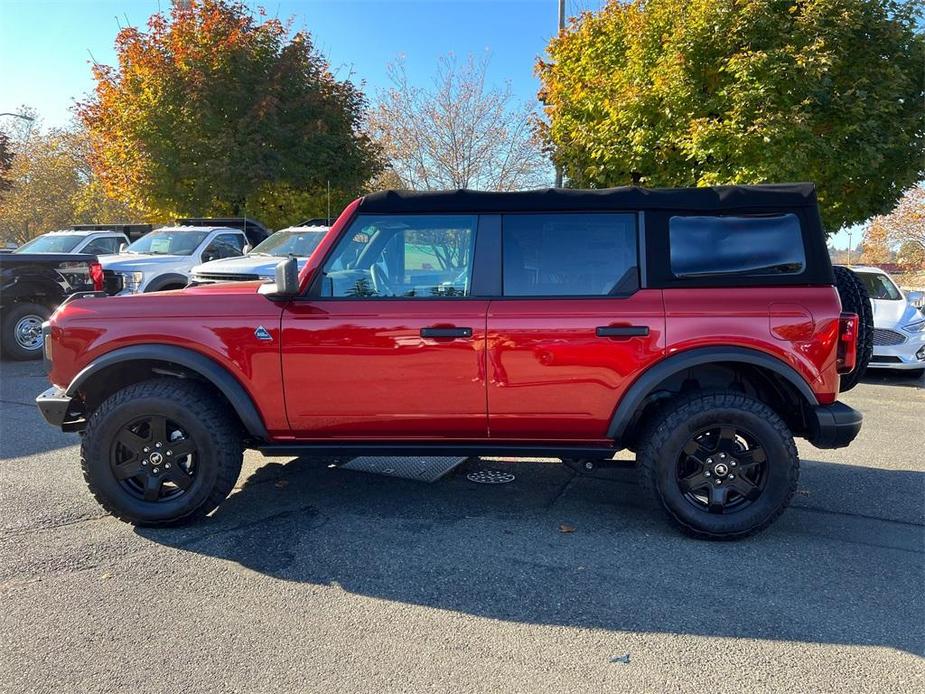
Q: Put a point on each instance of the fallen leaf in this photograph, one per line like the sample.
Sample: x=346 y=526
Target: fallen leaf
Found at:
x=566 y=528
x=106 y=575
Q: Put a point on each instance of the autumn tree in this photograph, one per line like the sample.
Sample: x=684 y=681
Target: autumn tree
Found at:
x=212 y=110
x=703 y=92
x=52 y=186
x=456 y=132
x=904 y=228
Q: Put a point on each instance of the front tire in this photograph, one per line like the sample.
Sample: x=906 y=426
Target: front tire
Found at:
x=722 y=465
x=21 y=332
x=161 y=452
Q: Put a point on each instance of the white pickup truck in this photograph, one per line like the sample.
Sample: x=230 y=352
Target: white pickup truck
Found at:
x=162 y=259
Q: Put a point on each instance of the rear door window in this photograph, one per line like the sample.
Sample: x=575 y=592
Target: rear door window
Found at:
x=569 y=254
x=709 y=246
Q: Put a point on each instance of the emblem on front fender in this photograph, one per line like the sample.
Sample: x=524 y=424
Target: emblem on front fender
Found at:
x=262 y=333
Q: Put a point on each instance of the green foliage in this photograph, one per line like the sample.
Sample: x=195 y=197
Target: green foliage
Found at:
x=705 y=92
x=212 y=111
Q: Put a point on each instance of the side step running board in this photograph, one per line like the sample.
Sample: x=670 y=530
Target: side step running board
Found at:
x=423 y=469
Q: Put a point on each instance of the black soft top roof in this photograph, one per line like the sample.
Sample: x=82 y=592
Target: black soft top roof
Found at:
x=773 y=196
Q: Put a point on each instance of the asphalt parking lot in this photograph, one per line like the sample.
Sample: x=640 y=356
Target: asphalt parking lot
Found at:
x=312 y=578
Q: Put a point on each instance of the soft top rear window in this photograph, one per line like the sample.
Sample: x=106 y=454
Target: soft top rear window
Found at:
x=710 y=246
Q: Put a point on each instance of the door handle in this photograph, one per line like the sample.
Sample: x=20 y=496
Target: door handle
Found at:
x=618 y=331
x=446 y=333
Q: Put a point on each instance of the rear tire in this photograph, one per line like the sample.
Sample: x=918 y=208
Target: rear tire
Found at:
x=21 y=331
x=161 y=452
x=722 y=465
x=855 y=299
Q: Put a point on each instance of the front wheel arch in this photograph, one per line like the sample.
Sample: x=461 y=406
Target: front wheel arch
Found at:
x=119 y=368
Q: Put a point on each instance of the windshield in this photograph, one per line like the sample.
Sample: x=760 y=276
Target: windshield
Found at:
x=283 y=243
x=880 y=286
x=48 y=243
x=168 y=242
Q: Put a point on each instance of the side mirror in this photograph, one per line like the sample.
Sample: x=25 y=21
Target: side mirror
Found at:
x=915 y=298
x=247 y=248
x=123 y=247
x=287 y=278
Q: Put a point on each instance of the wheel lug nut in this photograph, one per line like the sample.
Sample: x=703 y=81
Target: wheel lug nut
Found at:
x=146 y=449
x=722 y=455
x=719 y=481
x=732 y=477
x=157 y=445
x=733 y=463
x=144 y=462
x=171 y=453
x=706 y=474
x=166 y=466
x=155 y=471
x=709 y=461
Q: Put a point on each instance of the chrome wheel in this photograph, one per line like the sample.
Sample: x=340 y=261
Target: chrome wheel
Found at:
x=28 y=332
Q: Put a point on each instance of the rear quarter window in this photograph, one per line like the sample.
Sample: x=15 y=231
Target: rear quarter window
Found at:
x=711 y=246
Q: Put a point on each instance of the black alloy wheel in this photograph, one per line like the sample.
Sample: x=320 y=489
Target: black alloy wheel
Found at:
x=722 y=469
x=154 y=459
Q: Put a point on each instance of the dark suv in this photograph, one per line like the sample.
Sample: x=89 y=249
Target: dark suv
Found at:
x=700 y=328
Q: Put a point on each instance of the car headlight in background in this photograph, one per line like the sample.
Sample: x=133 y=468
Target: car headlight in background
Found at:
x=916 y=327
x=132 y=281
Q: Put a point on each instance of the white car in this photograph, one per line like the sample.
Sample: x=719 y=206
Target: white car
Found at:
x=162 y=259
x=260 y=263
x=899 y=327
x=93 y=242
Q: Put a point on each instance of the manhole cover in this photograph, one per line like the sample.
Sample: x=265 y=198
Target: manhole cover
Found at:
x=490 y=477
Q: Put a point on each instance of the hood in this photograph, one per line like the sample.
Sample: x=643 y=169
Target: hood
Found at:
x=129 y=262
x=244 y=265
x=894 y=314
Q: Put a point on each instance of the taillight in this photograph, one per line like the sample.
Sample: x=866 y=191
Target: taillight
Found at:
x=847 y=343
x=96 y=275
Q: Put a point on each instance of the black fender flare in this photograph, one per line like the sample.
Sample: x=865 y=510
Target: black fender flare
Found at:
x=165 y=279
x=207 y=368
x=637 y=393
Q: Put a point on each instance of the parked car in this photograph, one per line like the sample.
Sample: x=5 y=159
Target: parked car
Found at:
x=162 y=259
x=899 y=326
x=31 y=286
x=260 y=263
x=700 y=328
x=87 y=241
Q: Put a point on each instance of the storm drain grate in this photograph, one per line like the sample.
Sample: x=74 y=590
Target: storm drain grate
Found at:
x=490 y=477
x=421 y=468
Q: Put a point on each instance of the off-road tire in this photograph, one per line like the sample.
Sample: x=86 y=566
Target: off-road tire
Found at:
x=664 y=439
x=855 y=299
x=219 y=452
x=11 y=316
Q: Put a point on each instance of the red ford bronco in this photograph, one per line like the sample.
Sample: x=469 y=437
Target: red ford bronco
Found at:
x=700 y=328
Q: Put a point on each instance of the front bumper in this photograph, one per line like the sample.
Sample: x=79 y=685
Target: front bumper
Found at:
x=908 y=355
x=833 y=426
x=60 y=410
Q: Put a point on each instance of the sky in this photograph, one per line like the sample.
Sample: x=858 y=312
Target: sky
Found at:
x=46 y=46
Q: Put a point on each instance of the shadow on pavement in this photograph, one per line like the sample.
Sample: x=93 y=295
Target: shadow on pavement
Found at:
x=500 y=552
x=892 y=377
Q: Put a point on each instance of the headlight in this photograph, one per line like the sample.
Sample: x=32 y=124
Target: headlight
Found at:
x=132 y=281
x=916 y=327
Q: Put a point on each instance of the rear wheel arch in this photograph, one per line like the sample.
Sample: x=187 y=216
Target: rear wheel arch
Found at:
x=122 y=367
x=709 y=368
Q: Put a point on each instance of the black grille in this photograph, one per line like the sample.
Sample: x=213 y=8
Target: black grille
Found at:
x=886 y=338
x=225 y=277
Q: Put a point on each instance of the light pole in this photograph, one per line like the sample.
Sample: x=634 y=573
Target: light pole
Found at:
x=561 y=27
